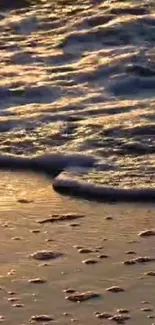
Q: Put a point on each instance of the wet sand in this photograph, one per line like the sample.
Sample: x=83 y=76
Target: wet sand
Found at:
x=88 y=255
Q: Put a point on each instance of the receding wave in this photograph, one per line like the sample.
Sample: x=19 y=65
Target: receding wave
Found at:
x=101 y=193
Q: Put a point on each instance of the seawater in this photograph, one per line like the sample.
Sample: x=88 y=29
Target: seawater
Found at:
x=79 y=77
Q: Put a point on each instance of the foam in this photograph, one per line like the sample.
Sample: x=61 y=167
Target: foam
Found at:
x=101 y=193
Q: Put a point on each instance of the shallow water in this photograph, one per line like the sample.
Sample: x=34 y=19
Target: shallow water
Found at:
x=80 y=77
x=18 y=241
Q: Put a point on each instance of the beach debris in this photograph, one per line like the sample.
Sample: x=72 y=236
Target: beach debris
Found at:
x=151 y=273
x=80 y=297
x=41 y=318
x=115 y=289
x=90 y=261
x=61 y=217
x=85 y=250
x=120 y=319
x=103 y=315
x=45 y=255
x=147 y=233
x=37 y=280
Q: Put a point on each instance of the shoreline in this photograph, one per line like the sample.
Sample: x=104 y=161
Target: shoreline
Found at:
x=108 y=232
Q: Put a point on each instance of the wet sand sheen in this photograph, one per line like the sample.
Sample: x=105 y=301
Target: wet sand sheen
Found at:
x=38 y=290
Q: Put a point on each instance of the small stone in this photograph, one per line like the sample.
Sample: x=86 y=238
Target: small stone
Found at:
x=144 y=259
x=66 y=314
x=11 y=272
x=101 y=256
x=90 y=261
x=24 y=201
x=99 y=247
x=13 y=299
x=11 y=293
x=147 y=233
x=35 y=231
x=151 y=273
x=129 y=262
x=147 y=309
x=74 y=225
x=17 y=238
x=108 y=218
x=45 y=255
x=120 y=319
x=37 y=280
x=61 y=217
x=18 y=305
x=122 y=311
x=78 y=247
x=69 y=290
x=130 y=252
x=144 y=302
x=115 y=289
x=85 y=250
x=151 y=316
x=103 y=315
x=80 y=297
x=41 y=318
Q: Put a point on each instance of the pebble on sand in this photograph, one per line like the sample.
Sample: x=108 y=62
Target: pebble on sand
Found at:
x=41 y=318
x=144 y=259
x=37 y=280
x=147 y=233
x=45 y=255
x=146 y=309
x=24 y=201
x=129 y=262
x=130 y=252
x=103 y=315
x=139 y=259
x=90 y=261
x=120 y=319
x=115 y=289
x=103 y=256
x=122 y=311
x=13 y=299
x=18 y=305
x=61 y=217
x=151 y=273
x=85 y=250
x=69 y=290
x=80 y=297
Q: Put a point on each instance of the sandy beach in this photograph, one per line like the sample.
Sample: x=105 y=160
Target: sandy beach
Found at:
x=92 y=252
